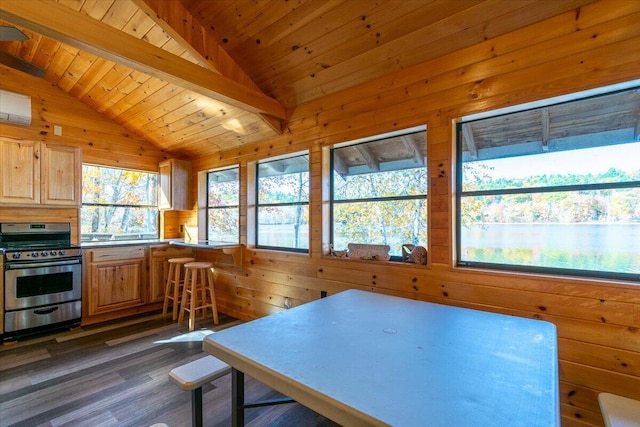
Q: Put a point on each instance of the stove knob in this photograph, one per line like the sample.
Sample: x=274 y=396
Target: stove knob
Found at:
x=34 y=255
x=15 y=255
x=44 y=253
x=61 y=252
x=53 y=253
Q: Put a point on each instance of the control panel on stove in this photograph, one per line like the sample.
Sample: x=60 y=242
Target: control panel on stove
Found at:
x=41 y=254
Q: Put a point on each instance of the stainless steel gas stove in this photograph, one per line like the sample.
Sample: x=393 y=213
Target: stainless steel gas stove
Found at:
x=42 y=277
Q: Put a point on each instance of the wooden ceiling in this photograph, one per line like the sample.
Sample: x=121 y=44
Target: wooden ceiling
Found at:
x=198 y=77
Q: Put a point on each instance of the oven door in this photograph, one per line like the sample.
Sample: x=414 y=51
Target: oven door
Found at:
x=36 y=284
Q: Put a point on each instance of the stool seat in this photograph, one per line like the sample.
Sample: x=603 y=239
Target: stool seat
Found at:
x=198 y=280
x=198 y=264
x=174 y=284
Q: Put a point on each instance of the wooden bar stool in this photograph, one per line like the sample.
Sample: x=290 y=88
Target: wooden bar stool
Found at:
x=191 y=302
x=174 y=284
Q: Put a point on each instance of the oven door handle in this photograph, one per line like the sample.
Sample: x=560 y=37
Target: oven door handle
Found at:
x=46 y=310
x=17 y=266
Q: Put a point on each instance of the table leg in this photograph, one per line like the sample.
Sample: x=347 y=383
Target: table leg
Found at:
x=237 y=398
x=196 y=407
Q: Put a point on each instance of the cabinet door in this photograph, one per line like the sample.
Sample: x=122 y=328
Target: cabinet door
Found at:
x=165 y=200
x=157 y=278
x=116 y=286
x=61 y=175
x=20 y=172
x=1 y=293
x=173 y=186
x=116 y=279
x=159 y=267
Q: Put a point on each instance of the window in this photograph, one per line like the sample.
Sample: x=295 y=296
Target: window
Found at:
x=223 y=195
x=282 y=217
x=554 y=189
x=379 y=192
x=118 y=204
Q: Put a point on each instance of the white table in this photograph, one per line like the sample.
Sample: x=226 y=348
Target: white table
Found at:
x=361 y=358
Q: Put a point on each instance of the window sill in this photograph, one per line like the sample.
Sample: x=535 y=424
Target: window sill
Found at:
x=373 y=261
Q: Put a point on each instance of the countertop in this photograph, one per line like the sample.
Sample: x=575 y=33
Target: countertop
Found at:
x=204 y=244
x=111 y=243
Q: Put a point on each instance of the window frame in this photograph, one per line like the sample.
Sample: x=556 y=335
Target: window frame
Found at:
x=154 y=192
x=332 y=201
x=460 y=193
x=208 y=208
x=258 y=205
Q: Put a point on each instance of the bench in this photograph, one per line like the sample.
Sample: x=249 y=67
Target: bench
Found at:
x=618 y=411
x=192 y=376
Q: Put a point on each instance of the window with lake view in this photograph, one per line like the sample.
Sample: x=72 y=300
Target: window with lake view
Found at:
x=223 y=204
x=282 y=218
x=553 y=189
x=379 y=192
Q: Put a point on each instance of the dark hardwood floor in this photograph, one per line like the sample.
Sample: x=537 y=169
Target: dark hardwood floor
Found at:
x=117 y=375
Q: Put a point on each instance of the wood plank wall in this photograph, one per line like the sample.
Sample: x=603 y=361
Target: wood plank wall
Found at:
x=598 y=322
x=103 y=141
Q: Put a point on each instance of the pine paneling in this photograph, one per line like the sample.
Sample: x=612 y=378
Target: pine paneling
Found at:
x=597 y=321
x=103 y=142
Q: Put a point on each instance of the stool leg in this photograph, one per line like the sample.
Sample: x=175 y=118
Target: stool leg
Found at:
x=212 y=293
x=193 y=300
x=183 y=304
x=196 y=407
x=176 y=291
x=167 y=291
x=204 y=290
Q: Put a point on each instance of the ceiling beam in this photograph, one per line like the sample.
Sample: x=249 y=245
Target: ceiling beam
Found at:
x=20 y=64
x=412 y=147
x=467 y=137
x=369 y=158
x=76 y=29
x=339 y=165
x=545 y=129
x=185 y=29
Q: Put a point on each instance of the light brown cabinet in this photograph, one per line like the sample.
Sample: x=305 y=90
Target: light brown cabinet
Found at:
x=2 y=294
x=158 y=268
x=61 y=175
x=174 y=189
x=116 y=279
x=35 y=173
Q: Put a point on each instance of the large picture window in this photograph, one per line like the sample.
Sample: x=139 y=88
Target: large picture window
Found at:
x=553 y=189
x=282 y=219
x=118 y=204
x=379 y=192
x=223 y=199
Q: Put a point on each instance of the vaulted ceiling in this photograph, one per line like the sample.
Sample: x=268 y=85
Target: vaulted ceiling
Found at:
x=196 y=77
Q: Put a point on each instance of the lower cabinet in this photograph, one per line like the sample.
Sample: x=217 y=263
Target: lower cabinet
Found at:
x=159 y=267
x=121 y=281
x=115 y=279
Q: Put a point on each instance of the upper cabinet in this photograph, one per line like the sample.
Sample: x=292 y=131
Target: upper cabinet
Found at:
x=39 y=173
x=61 y=173
x=174 y=190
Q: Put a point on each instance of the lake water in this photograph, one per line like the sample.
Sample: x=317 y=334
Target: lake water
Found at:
x=594 y=247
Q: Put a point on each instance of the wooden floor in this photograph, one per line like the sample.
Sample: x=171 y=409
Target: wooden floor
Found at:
x=116 y=375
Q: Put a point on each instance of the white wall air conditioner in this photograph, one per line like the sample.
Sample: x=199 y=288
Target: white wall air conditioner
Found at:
x=15 y=108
